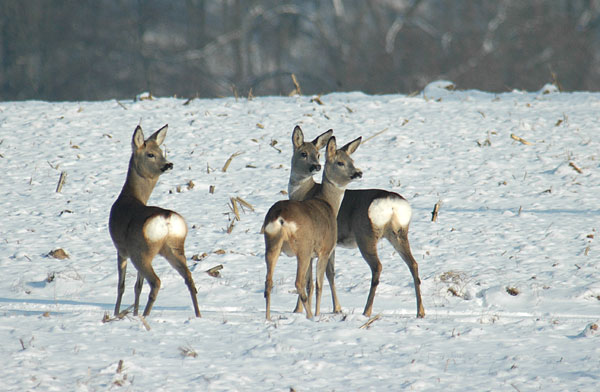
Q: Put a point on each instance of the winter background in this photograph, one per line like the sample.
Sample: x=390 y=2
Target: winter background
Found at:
x=510 y=272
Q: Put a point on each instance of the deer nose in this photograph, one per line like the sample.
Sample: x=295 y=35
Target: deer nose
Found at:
x=314 y=168
x=357 y=174
x=167 y=166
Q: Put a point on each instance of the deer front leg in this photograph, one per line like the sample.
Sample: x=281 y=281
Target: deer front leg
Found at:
x=321 y=267
x=122 y=268
x=330 y=271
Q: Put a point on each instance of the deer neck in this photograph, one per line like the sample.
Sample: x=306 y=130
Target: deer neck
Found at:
x=299 y=187
x=137 y=186
x=331 y=193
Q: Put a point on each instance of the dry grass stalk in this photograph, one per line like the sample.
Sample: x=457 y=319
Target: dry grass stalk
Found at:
x=575 y=167
x=188 y=352
x=259 y=125
x=367 y=325
x=228 y=162
x=436 y=209
x=214 y=271
x=317 y=100
x=230 y=227
x=520 y=139
x=59 y=254
x=372 y=136
x=146 y=325
x=512 y=291
x=61 y=181
x=120 y=316
x=273 y=144
x=120 y=367
x=199 y=257
x=244 y=203
x=234 y=208
x=211 y=189
x=297 y=90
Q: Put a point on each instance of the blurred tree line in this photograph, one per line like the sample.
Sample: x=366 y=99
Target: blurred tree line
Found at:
x=102 y=49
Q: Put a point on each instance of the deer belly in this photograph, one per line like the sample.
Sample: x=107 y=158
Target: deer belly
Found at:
x=287 y=249
x=160 y=227
x=348 y=242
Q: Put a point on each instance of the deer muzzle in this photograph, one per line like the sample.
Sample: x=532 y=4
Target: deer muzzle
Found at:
x=315 y=168
x=167 y=166
x=356 y=174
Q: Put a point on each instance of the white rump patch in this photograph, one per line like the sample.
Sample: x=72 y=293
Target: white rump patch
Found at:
x=382 y=211
x=177 y=226
x=275 y=226
x=159 y=226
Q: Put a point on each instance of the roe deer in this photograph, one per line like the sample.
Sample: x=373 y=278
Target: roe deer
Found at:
x=365 y=216
x=140 y=232
x=305 y=162
x=308 y=228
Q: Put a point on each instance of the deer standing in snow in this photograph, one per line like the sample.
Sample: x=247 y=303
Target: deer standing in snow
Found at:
x=140 y=232
x=308 y=228
x=365 y=216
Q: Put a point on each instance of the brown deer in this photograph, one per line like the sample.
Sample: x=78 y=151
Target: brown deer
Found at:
x=365 y=216
x=308 y=228
x=140 y=232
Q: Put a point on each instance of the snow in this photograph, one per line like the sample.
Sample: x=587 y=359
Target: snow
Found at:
x=514 y=217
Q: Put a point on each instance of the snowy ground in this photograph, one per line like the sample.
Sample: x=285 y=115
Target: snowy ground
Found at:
x=515 y=218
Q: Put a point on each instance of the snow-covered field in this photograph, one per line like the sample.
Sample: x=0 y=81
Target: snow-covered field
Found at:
x=510 y=269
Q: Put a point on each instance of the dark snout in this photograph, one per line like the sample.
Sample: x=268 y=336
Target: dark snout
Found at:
x=356 y=174
x=315 y=168
x=167 y=166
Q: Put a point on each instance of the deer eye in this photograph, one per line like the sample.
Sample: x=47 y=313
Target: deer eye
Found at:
x=150 y=155
x=340 y=163
x=304 y=155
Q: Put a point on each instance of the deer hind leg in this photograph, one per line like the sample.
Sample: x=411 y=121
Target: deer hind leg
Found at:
x=400 y=242
x=143 y=263
x=301 y=272
x=272 y=252
x=311 y=288
x=121 y=268
x=368 y=249
x=175 y=255
x=137 y=291
x=330 y=272
x=321 y=267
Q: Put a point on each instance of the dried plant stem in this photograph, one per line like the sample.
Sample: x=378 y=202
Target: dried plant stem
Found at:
x=61 y=181
x=367 y=325
x=520 y=139
x=228 y=162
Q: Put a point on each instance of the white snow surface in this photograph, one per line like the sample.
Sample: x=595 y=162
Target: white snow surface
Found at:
x=515 y=218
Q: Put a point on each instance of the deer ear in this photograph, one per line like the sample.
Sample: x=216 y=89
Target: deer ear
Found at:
x=297 y=137
x=331 y=149
x=160 y=135
x=352 y=146
x=138 y=138
x=322 y=139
